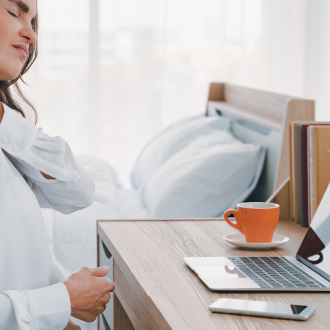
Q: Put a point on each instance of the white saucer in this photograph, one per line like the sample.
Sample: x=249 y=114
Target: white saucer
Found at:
x=239 y=240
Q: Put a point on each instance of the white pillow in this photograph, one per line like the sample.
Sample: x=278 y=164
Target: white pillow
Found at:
x=205 y=178
x=170 y=141
x=105 y=177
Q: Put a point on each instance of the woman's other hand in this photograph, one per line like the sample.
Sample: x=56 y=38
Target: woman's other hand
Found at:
x=72 y=326
x=89 y=292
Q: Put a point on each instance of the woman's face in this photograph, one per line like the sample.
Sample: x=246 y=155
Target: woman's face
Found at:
x=16 y=34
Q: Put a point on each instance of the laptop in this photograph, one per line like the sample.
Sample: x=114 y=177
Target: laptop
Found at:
x=309 y=270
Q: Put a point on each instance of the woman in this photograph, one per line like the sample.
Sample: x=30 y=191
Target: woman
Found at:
x=36 y=170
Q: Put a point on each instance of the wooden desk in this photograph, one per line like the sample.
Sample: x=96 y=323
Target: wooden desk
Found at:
x=156 y=290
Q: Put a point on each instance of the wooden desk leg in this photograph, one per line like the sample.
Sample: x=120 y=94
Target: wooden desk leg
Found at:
x=114 y=317
x=120 y=318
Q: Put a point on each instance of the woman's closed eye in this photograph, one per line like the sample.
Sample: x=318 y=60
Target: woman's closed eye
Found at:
x=13 y=14
x=17 y=15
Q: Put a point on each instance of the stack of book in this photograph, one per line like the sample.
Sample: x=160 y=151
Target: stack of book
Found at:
x=309 y=168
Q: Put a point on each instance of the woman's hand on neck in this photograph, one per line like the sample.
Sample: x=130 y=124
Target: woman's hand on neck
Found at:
x=2 y=112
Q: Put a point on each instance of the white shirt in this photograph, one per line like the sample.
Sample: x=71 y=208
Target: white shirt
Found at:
x=30 y=296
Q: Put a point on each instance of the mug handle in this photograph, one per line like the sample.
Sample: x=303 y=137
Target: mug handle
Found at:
x=236 y=225
x=320 y=259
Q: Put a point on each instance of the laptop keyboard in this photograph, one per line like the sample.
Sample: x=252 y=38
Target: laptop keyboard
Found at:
x=275 y=272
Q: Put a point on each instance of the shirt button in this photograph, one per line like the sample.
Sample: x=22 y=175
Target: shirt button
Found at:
x=15 y=147
x=5 y=140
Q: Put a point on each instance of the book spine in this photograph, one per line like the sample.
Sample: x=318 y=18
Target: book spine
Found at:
x=299 y=177
x=304 y=172
x=291 y=173
x=294 y=173
x=312 y=171
x=308 y=177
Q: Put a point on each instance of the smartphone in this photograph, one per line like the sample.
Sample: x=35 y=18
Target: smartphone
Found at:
x=262 y=308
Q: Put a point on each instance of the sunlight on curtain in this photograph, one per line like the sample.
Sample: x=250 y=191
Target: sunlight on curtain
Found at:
x=59 y=79
x=158 y=58
x=132 y=39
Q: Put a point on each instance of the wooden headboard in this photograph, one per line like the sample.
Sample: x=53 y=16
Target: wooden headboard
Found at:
x=262 y=117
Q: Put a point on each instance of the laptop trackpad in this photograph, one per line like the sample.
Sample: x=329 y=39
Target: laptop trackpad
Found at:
x=224 y=278
x=226 y=271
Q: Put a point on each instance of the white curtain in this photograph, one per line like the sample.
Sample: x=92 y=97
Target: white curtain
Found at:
x=157 y=58
x=58 y=82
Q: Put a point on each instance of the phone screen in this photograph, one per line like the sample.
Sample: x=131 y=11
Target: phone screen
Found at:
x=257 y=306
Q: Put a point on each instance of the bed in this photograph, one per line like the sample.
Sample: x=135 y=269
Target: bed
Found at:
x=256 y=117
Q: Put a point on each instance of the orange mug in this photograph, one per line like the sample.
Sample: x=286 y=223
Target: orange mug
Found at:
x=257 y=221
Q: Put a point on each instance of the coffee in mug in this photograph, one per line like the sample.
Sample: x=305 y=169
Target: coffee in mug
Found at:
x=256 y=220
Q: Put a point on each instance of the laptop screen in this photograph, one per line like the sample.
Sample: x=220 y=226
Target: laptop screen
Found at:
x=314 y=250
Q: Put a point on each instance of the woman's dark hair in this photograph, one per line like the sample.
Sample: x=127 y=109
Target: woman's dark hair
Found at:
x=9 y=89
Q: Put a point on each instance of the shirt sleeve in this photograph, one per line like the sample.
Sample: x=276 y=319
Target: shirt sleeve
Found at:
x=45 y=308
x=32 y=151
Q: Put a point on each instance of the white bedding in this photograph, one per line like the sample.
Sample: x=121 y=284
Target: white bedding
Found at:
x=130 y=204
x=72 y=237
